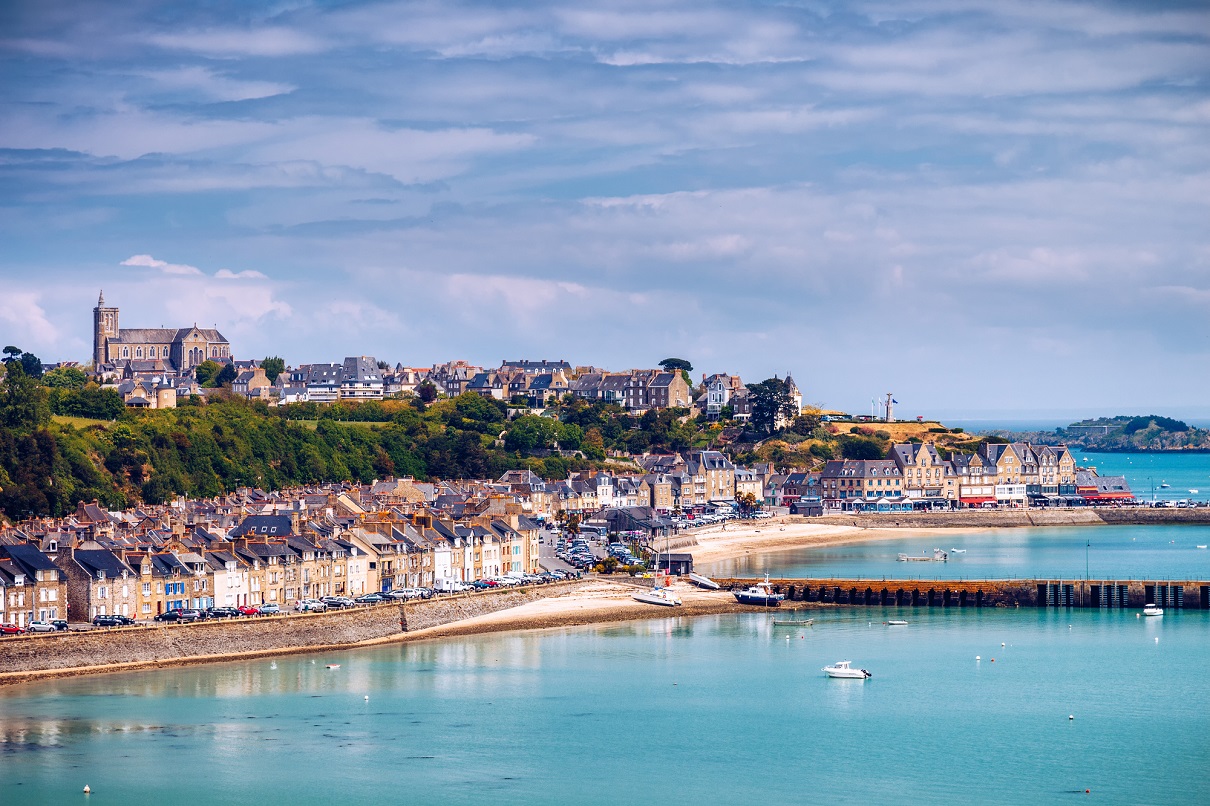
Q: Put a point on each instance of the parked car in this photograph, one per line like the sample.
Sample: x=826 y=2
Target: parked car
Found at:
x=310 y=606
x=337 y=602
x=167 y=615
x=10 y=629
x=222 y=612
x=248 y=610
x=269 y=609
x=122 y=621
x=483 y=584
x=40 y=626
x=106 y=620
x=371 y=598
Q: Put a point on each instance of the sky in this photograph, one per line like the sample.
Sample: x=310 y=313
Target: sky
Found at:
x=981 y=207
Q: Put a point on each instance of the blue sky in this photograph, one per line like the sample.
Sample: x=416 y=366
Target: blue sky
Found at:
x=977 y=205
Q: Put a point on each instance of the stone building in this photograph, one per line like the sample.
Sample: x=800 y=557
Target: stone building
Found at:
x=176 y=349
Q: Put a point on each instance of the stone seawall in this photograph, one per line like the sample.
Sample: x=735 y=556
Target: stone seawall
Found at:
x=30 y=656
x=998 y=518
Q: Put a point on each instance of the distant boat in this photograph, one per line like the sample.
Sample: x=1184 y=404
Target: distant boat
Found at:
x=1164 y=485
x=939 y=556
x=894 y=623
x=1193 y=492
x=793 y=622
x=703 y=582
x=1152 y=610
x=958 y=551
x=1201 y=547
x=842 y=669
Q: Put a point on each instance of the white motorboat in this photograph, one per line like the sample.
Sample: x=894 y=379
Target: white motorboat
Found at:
x=759 y=594
x=703 y=582
x=1152 y=610
x=958 y=551
x=896 y=623
x=1164 y=485
x=1193 y=492
x=843 y=669
x=663 y=597
x=1201 y=547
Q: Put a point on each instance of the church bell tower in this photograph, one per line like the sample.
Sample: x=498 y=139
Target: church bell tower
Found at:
x=104 y=327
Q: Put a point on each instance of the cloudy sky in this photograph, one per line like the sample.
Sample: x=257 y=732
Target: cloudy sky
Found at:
x=979 y=205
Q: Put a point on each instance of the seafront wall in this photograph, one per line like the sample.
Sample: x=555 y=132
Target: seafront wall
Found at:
x=999 y=518
x=29 y=656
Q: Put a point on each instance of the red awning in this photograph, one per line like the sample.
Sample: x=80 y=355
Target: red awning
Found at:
x=979 y=499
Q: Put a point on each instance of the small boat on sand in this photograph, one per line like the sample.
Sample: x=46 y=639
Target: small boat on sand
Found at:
x=663 y=597
x=703 y=581
x=843 y=669
x=332 y=666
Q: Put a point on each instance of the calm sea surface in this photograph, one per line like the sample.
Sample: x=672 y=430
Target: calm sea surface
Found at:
x=1112 y=552
x=698 y=711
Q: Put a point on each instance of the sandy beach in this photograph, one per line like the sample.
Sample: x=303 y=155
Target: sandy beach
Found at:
x=755 y=538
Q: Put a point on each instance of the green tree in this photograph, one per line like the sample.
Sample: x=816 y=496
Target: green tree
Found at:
x=23 y=403
x=771 y=401
x=206 y=372
x=30 y=364
x=273 y=366
x=225 y=375
x=65 y=378
x=676 y=365
x=427 y=392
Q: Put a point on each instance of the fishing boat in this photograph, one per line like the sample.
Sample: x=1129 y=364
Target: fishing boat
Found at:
x=703 y=582
x=896 y=623
x=663 y=597
x=1152 y=610
x=938 y=556
x=844 y=670
x=759 y=594
x=1164 y=485
x=793 y=622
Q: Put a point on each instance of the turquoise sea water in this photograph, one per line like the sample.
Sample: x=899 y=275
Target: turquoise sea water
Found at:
x=705 y=710
x=1145 y=472
x=1112 y=552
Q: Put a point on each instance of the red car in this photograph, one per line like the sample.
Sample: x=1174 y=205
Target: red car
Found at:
x=10 y=629
x=247 y=610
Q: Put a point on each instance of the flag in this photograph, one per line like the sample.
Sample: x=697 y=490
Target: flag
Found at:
x=893 y=400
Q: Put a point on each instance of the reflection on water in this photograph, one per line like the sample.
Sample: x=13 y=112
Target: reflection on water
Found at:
x=601 y=715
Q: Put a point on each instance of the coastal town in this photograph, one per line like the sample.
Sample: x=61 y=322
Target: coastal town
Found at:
x=293 y=548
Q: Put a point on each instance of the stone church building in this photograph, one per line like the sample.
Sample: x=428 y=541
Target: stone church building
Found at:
x=174 y=349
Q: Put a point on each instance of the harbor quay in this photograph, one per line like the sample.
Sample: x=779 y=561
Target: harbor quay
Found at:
x=1040 y=593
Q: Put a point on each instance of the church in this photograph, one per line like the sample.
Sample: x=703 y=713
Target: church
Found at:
x=176 y=350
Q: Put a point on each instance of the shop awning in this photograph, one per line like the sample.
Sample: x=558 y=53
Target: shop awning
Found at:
x=979 y=499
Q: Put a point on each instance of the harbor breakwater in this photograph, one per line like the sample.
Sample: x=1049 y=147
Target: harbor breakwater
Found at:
x=105 y=650
x=1000 y=518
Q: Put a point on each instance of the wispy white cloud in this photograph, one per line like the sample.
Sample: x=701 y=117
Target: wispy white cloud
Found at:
x=149 y=262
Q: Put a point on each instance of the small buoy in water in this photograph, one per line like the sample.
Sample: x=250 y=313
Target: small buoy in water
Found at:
x=1157 y=639
x=272 y=665
x=87 y=789
x=993 y=660
x=1001 y=643
x=1136 y=615
x=978 y=658
x=1087 y=791
x=1070 y=717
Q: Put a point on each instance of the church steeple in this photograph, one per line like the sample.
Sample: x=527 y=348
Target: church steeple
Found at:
x=101 y=299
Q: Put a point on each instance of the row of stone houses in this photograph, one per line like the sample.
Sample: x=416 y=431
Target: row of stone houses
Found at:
x=916 y=474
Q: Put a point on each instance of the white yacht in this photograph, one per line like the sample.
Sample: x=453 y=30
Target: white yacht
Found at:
x=844 y=670
x=1152 y=610
x=658 y=596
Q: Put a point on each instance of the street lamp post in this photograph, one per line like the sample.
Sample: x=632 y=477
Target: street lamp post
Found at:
x=1087 y=545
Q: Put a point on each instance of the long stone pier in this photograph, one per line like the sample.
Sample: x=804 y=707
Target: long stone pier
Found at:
x=1107 y=593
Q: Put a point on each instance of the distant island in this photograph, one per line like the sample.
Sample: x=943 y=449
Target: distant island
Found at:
x=1122 y=434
